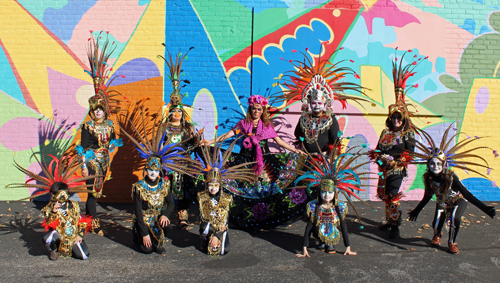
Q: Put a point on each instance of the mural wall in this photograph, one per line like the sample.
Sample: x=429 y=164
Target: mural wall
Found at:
x=241 y=48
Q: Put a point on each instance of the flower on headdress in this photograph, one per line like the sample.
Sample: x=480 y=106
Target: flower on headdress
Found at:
x=257 y=99
x=297 y=196
x=260 y=211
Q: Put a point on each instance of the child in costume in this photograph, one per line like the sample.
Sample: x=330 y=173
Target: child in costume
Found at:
x=214 y=203
x=64 y=226
x=98 y=137
x=441 y=181
x=335 y=174
x=152 y=197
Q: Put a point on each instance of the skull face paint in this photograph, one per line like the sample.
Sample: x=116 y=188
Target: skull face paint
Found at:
x=327 y=196
x=98 y=113
x=153 y=174
x=436 y=166
x=317 y=102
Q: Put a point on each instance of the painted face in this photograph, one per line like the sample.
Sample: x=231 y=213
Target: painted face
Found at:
x=397 y=120
x=327 y=195
x=317 y=103
x=256 y=111
x=153 y=174
x=98 y=113
x=213 y=188
x=176 y=114
x=436 y=166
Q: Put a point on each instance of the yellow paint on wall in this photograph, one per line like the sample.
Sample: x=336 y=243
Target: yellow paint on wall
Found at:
x=147 y=38
x=368 y=3
x=482 y=124
x=32 y=51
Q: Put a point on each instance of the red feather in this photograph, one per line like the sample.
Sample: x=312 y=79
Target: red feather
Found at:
x=53 y=225
x=86 y=219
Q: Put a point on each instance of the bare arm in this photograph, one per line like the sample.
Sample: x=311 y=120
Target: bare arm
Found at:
x=283 y=144
x=220 y=138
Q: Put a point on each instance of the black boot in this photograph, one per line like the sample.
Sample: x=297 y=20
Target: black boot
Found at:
x=394 y=234
x=385 y=227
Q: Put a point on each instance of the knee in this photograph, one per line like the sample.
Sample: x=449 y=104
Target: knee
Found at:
x=149 y=250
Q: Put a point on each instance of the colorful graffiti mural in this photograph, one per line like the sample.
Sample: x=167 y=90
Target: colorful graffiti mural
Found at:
x=240 y=49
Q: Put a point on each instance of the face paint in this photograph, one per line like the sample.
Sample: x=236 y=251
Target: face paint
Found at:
x=317 y=103
x=98 y=113
x=397 y=120
x=327 y=196
x=213 y=188
x=256 y=111
x=436 y=166
x=153 y=174
x=176 y=114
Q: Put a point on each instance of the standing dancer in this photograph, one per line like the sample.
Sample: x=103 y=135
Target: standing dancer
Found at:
x=98 y=137
x=153 y=200
x=64 y=226
x=395 y=141
x=335 y=174
x=214 y=202
x=179 y=128
x=440 y=180
x=260 y=204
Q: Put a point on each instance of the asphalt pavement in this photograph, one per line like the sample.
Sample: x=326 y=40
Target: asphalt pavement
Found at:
x=266 y=256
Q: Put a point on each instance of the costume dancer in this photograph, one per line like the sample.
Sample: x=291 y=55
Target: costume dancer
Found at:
x=214 y=203
x=260 y=204
x=98 y=137
x=64 y=226
x=440 y=180
x=317 y=86
x=334 y=174
x=179 y=129
x=153 y=201
x=391 y=154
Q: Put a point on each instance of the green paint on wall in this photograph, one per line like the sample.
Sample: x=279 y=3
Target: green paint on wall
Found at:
x=38 y=7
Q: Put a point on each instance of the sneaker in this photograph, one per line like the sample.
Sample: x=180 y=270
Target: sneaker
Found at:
x=436 y=240
x=322 y=247
x=161 y=251
x=453 y=248
x=394 y=234
x=330 y=249
x=54 y=255
x=385 y=227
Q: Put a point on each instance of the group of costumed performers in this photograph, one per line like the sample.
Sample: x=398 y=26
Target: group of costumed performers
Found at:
x=152 y=195
x=180 y=129
x=63 y=224
x=334 y=174
x=391 y=153
x=98 y=137
x=441 y=181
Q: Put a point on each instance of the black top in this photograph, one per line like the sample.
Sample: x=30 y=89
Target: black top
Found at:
x=324 y=139
x=144 y=205
x=91 y=141
x=309 y=230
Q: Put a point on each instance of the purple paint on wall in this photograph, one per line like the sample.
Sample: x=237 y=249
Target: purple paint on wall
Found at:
x=135 y=70
x=482 y=100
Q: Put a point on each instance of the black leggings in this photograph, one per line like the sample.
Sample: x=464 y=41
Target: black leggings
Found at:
x=457 y=210
x=392 y=185
x=207 y=229
x=52 y=239
x=139 y=240
x=91 y=204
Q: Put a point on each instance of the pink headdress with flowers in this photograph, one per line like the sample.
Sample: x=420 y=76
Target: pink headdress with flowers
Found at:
x=258 y=99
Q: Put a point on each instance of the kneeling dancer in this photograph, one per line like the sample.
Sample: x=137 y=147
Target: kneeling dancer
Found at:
x=440 y=180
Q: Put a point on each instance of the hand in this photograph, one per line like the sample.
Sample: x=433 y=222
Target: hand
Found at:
x=412 y=215
x=304 y=253
x=207 y=143
x=214 y=242
x=78 y=240
x=146 y=241
x=223 y=228
x=299 y=152
x=348 y=251
x=85 y=172
x=491 y=211
x=56 y=206
x=164 y=221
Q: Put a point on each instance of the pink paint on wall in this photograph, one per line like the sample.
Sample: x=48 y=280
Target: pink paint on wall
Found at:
x=387 y=10
x=119 y=17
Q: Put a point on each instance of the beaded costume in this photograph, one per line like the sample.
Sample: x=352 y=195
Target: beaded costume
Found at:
x=451 y=194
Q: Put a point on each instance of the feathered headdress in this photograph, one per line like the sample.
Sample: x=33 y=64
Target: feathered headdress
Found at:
x=311 y=78
x=156 y=153
x=336 y=173
x=98 y=55
x=60 y=169
x=400 y=75
x=176 y=71
x=214 y=165
x=451 y=155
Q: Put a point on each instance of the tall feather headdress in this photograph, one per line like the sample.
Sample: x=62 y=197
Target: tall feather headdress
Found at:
x=60 y=169
x=98 y=54
x=452 y=155
x=149 y=143
x=311 y=77
x=338 y=170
